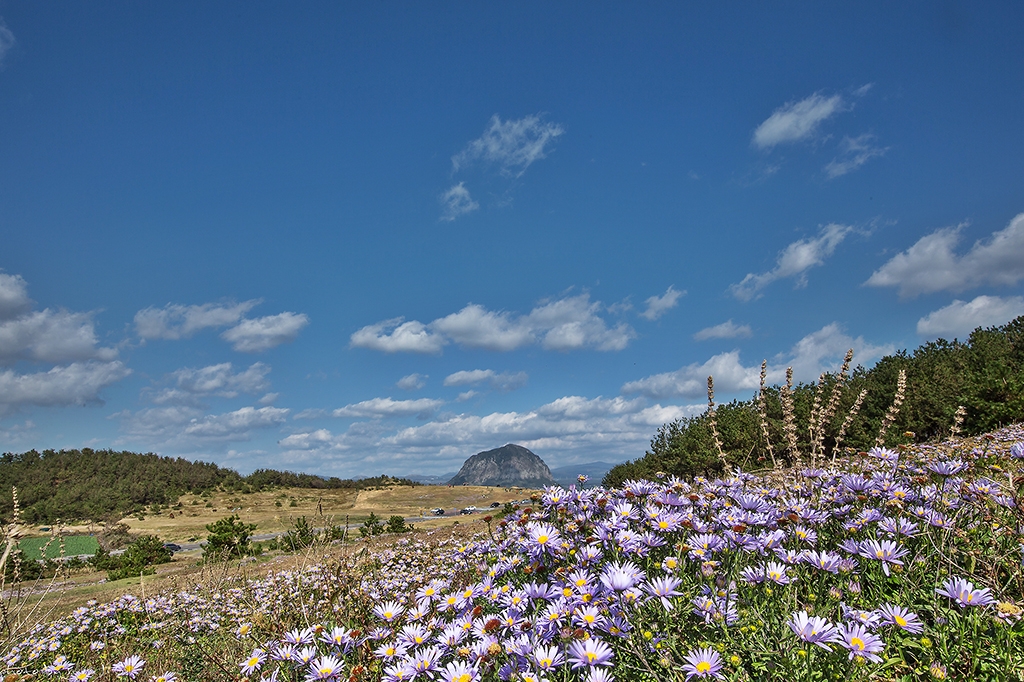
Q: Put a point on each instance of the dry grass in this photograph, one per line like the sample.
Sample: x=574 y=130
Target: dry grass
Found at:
x=332 y=506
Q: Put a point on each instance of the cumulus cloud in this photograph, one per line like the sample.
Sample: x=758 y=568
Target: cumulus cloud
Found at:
x=186 y=425
x=959 y=318
x=854 y=153
x=932 y=264
x=51 y=336
x=397 y=336
x=412 y=382
x=796 y=121
x=175 y=321
x=14 y=298
x=659 y=305
x=567 y=323
x=793 y=262
x=569 y=423
x=215 y=380
x=726 y=330
x=506 y=381
x=512 y=145
x=815 y=353
x=264 y=333
x=573 y=323
x=476 y=327
x=457 y=202
x=379 y=408
x=76 y=384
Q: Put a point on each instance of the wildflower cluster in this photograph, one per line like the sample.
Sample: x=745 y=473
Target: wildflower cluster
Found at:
x=895 y=558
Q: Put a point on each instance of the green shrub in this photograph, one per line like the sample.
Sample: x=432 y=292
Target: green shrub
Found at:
x=228 y=539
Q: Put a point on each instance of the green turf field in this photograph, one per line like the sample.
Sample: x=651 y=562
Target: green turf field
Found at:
x=73 y=544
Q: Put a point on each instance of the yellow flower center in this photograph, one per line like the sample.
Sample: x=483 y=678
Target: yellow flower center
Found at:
x=857 y=643
x=703 y=667
x=900 y=620
x=542 y=539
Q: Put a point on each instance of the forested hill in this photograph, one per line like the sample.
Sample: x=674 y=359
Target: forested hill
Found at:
x=984 y=375
x=95 y=484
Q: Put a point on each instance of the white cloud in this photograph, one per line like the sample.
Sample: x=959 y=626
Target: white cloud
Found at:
x=264 y=333
x=51 y=336
x=476 y=327
x=512 y=145
x=457 y=202
x=573 y=323
x=931 y=264
x=691 y=381
x=959 y=319
x=795 y=121
x=466 y=395
x=569 y=423
x=186 y=425
x=726 y=330
x=505 y=381
x=412 y=382
x=76 y=384
x=794 y=261
x=854 y=153
x=307 y=441
x=14 y=298
x=216 y=380
x=6 y=40
x=568 y=323
x=237 y=425
x=659 y=305
x=397 y=336
x=379 y=408
x=815 y=353
x=175 y=321
x=268 y=399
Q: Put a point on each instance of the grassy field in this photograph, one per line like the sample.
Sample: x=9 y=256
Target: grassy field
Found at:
x=321 y=506
x=73 y=545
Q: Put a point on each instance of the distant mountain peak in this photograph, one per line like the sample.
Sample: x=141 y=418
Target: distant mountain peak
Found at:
x=509 y=465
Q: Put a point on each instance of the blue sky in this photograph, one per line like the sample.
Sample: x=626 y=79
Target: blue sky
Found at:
x=353 y=239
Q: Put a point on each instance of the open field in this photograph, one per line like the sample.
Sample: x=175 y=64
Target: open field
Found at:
x=333 y=506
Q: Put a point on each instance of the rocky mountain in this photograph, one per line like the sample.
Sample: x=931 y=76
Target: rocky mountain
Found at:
x=509 y=465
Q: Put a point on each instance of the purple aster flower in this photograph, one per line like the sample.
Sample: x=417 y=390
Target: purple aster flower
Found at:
x=900 y=617
x=129 y=667
x=859 y=642
x=663 y=588
x=324 y=668
x=253 y=663
x=703 y=663
x=825 y=560
x=388 y=611
x=964 y=593
x=947 y=468
x=457 y=671
x=547 y=657
x=589 y=653
x=886 y=551
x=813 y=629
x=776 y=572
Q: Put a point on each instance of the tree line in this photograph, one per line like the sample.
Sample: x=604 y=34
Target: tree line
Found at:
x=102 y=484
x=983 y=375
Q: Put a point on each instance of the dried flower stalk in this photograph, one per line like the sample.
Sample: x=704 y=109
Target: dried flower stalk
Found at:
x=762 y=412
x=788 y=415
x=958 y=420
x=711 y=420
x=894 y=409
